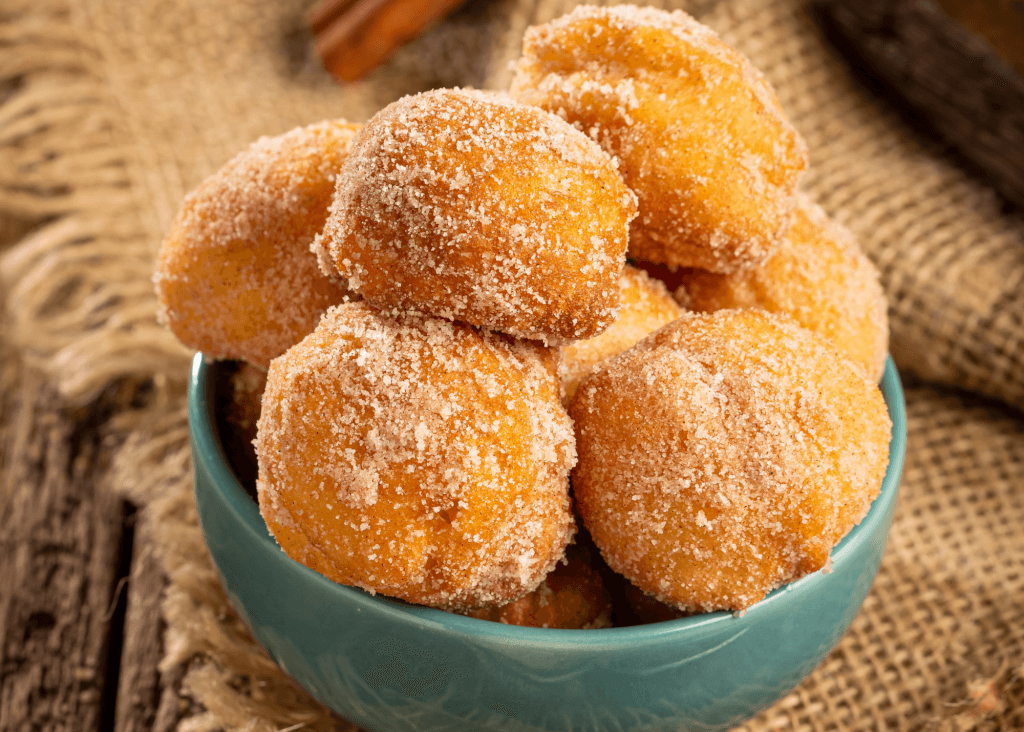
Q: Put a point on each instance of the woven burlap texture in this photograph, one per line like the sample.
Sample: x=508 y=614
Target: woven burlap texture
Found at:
x=120 y=108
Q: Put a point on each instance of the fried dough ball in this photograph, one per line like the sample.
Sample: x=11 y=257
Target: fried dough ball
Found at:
x=235 y=277
x=698 y=131
x=819 y=276
x=724 y=455
x=646 y=306
x=466 y=205
x=239 y=388
x=572 y=597
x=417 y=457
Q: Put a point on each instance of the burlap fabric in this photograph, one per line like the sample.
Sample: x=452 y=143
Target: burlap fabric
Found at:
x=113 y=110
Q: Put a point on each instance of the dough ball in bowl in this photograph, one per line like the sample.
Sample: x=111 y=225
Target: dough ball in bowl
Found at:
x=698 y=132
x=819 y=276
x=380 y=662
x=572 y=597
x=235 y=276
x=724 y=455
x=646 y=306
x=417 y=457
x=470 y=206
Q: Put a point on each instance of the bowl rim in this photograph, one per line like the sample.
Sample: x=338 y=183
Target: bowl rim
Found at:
x=207 y=443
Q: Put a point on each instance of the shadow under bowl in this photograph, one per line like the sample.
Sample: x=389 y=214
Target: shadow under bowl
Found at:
x=389 y=665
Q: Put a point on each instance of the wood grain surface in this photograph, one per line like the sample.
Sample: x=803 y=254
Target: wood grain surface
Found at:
x=80 y=589
x=59 y=558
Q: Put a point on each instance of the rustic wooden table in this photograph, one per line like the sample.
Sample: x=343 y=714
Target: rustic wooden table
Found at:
x=80 y=629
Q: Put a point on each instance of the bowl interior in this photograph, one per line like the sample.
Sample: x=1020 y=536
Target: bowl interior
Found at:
x=207 y=442
x=389 y=665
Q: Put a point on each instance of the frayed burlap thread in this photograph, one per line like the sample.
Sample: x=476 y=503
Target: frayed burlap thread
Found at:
x=79 y=303
x=119 y=108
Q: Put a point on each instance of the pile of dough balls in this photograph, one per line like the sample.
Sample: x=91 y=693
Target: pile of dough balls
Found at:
x=531 y=355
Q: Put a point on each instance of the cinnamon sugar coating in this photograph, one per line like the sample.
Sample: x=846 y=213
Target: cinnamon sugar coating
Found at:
x=235 y=277
x=646 y=306
x=417 y=457
x=724 y=455
x=819 y=276
x=571 y=597
x=467 y=205
x=699 y=133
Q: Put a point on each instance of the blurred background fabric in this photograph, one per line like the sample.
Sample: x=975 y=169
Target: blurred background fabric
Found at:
x=112 y=111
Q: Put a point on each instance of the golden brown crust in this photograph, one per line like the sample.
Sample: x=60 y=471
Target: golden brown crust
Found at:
x=469 y=206
x=235 y=277
x=645 y=306
x=725 y=454
x=571 y=597
x=418 y=458
x=819 y=277
x=699 y=133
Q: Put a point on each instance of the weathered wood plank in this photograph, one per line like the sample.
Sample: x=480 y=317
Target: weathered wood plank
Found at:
x=59 y=548
x=139 y=684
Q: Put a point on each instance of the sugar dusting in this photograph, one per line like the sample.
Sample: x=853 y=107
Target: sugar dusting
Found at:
x=646 y=306
x=724 y=455
x=861 y=312
x=470 y=206
x=819 y=276
x=425 y=459
x=572 y=596
x=235 y=276
x=698 y=132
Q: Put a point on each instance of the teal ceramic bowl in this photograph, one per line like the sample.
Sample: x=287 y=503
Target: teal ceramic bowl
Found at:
x=387 y=665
